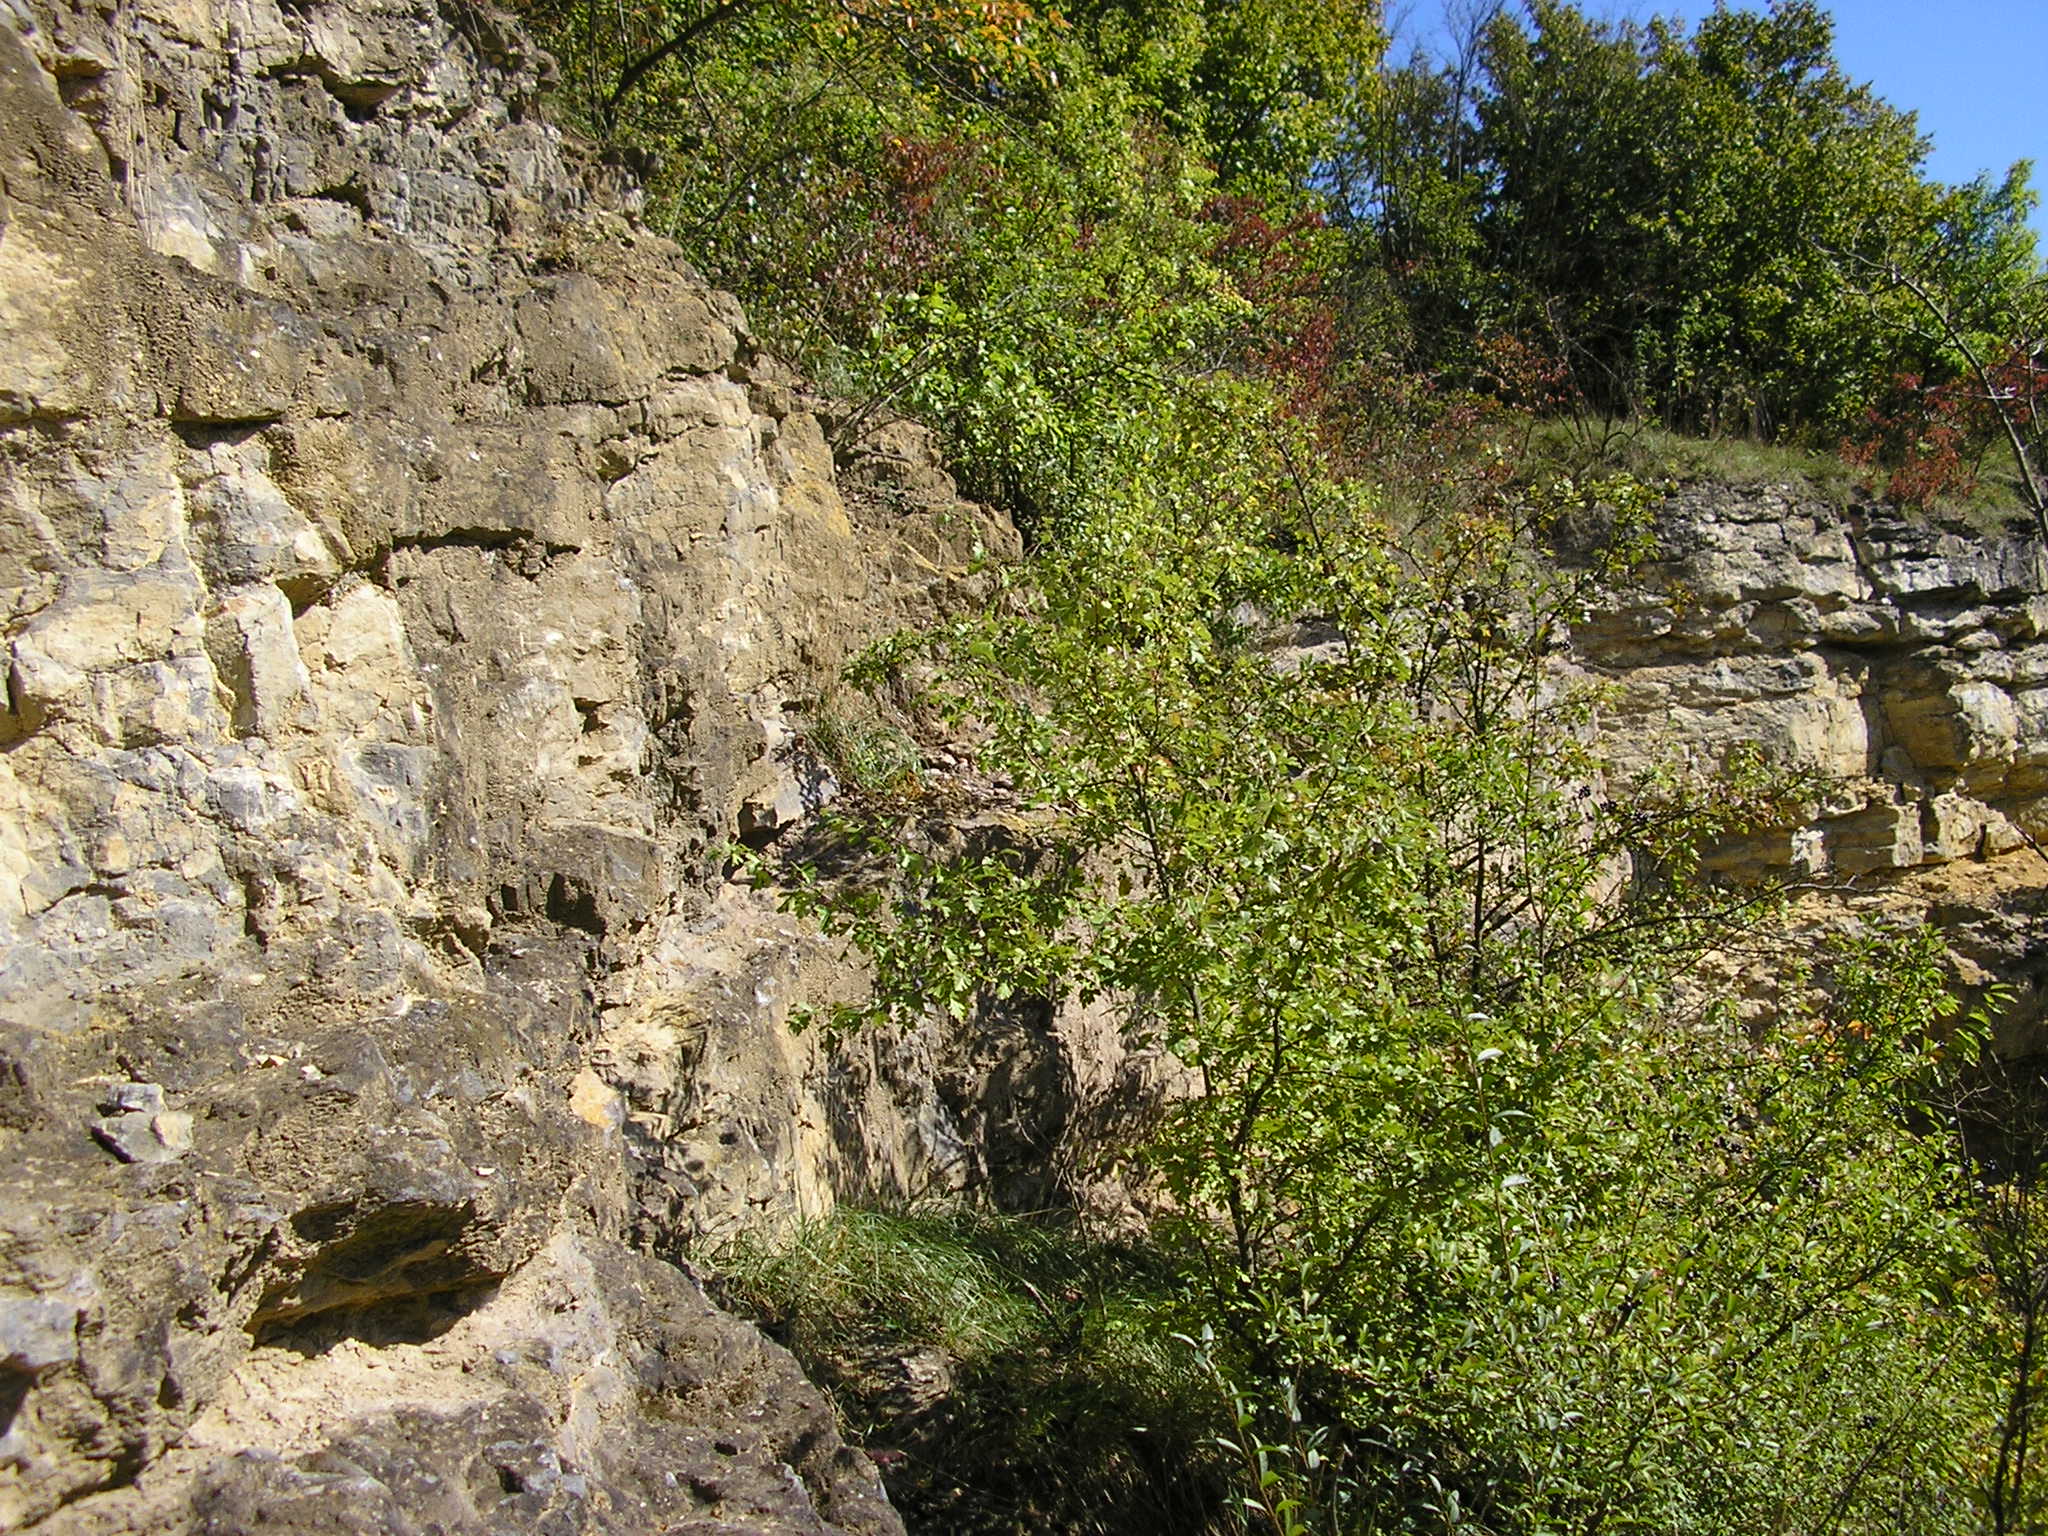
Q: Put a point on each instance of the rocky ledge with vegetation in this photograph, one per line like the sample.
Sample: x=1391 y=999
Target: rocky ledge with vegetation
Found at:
x=1338 y=935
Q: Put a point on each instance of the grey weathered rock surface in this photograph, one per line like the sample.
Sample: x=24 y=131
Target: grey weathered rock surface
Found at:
x=410 y=574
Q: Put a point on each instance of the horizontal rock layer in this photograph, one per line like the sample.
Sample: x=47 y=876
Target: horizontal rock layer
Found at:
x=1900 y=663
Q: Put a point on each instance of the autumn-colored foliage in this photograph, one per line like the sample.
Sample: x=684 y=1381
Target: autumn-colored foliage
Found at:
x=1930 y=440
x=1281 y=264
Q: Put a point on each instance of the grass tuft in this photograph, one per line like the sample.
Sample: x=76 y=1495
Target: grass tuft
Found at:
x=1652 y=452
x=868 y=754
x=1992 y=507
x=1011 y=1374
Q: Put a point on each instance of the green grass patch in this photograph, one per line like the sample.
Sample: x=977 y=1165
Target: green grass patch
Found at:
x=1584 y=445
x=1010 y=1374
x=867 y=753
x=1992 y=507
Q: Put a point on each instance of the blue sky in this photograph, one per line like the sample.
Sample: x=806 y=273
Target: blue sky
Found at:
x=1975 y=71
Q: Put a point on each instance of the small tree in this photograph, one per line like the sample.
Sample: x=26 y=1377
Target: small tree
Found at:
x=1522 y=1247
x=2002 y=386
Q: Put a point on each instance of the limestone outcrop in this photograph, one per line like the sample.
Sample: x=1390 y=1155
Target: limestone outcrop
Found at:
x=1900 y=662
x=411 y=576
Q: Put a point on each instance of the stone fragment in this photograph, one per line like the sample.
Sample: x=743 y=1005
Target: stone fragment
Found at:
x=129 y=1098
x=247 y=359
x=1879 y=838
x=2001 y=837
x=255 y=654
x=1809 y=859
x=596 y=1102
x=137 y=1128
x=1953 y=827
x=785 y=793
x=37 y=1332
x=249 y=532
x=145 y=1138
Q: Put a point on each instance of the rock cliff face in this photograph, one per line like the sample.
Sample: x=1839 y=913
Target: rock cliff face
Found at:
x=411 y=574
x=1901 y=663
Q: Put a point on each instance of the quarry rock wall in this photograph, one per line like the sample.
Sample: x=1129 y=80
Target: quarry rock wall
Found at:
x=413 y=578
x=1898 y=662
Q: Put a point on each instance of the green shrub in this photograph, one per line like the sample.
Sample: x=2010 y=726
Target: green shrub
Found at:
x=1471 y=1207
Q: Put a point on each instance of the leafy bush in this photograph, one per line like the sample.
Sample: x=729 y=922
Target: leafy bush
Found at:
x=1524 y=1244
x=1023 y=249
x=1695 y=222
